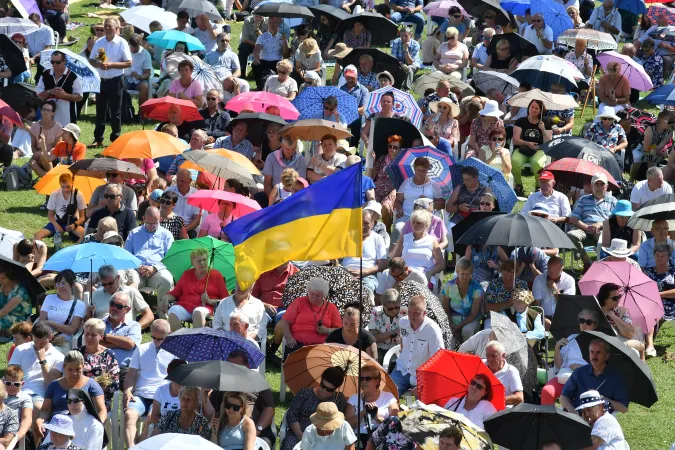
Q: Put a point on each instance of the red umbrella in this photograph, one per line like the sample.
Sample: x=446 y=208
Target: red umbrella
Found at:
x=207 y=180
x=158 y=109
x=576 y=172
x=208 y=200
x=447 y=375
x=10 y=114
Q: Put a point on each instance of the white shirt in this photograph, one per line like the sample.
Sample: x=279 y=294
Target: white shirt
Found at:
x=88 y=431
x=510 y=378
x=482 y=411
x=384 y=401
x=24 y=356
x=243 y=87
x=167 y=402
x=338 y=439
x=480 y=53
x=140 y=62
x=412 y=192
x=39 y=39
x=608 y=429
x=476 y=344
x=571 y=353
x=116 y=50
x=182 y=207
x=59 y=204
x=614 y=18
x=418 y=346
x=641 y=192
x=58 y=310
x=253 y=309
x=557 y=204
x=531 y=35
x=386 y=281
x=541 y=292
x=373 y=249
x=62 y=114
x=151 y=367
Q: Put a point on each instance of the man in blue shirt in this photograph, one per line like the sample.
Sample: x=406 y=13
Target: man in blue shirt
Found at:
x=433 y=133
x=119 y=336
x=360 y=93
x=407 y=51
x=407 y=11
x=596 y=376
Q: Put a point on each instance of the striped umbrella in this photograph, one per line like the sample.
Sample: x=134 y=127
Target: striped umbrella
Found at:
x=402 y=168
x=404 y=105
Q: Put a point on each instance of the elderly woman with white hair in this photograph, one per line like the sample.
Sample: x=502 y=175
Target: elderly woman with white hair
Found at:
x=452 y=55
x=384 y=321
x=282 y=84
x=419 y=248
x=309 y=319
x=188 y=419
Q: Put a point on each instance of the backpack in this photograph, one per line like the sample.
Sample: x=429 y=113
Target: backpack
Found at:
x=128 y=112
x=18 y=177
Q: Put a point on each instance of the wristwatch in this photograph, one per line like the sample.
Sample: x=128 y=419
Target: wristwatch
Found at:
x=43 y=362
x=259 y=428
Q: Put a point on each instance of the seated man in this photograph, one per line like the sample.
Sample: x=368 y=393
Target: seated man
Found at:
x=269 y=288
x=660 y=229
x=374 y=255
x=507 y=374
x=555 y=203
x=65 y=210
x=407 y=51
x=149 y=243
x=407 y=11
x=596 y=375
x=421 y=338
x=551 y=283
x=397 y=271
x=237 y=141
x=125 y=217
x=32 y=254
x=366 y=76
x=138 y=75
x=197 y=141
x=607 y=19
x=654 y=186
x=239 y=324
x=121 y=336
x=528 y=320
x=223 y=60
x=183 y=189
x=242 y=301
x=215 y=118
x=98 y=201
x=146 y=373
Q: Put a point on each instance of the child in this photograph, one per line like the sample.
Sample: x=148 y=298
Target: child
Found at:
x=20 y=331
x=18 y=400
x=286 y=187
x=529 y=321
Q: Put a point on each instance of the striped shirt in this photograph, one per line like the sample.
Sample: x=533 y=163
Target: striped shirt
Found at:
x=589 y=210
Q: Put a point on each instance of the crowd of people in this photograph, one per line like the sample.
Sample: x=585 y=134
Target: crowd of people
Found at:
x=76 y=351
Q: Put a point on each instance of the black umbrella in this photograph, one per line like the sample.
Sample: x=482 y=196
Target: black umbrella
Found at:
x=386 y=126
x=16 y=95
x=23 y=276
x=538 y=424
x=480 y=7
x=287 y=10
x=637 y=377
x=519 y=45
x=516 y=230
x=382 y=30
x=334 y=13
x=469 y=221
x=12 y=55
x=257 y=124
x=659 y=208
x=382 y=61
x=98 y=167
x=568 y=307
x=577 y=147
x=219 y=375
x=194 y=8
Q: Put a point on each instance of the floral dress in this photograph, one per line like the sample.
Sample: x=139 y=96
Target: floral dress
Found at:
x=654 y=68
x=389 y=436
x=97 y=365
x=380 y=322
x=460 y=307
x=449 y=131
x=498 y=293
x=608 y=139
x=483 y=134
x=354 y=41
x=168 y=423
x=385 y=191
x=21 y=312
x=665 y=282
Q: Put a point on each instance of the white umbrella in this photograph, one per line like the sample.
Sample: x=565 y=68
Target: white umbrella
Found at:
x=551 y=101
x=203 y=72
x=543 y=71
x=7 y=240
x=176 y=441
x=11 y=25
x=91 y=80
x=141 y=16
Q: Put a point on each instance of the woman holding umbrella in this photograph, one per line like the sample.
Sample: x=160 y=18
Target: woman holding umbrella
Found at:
x=619 y=317
x=502 y=61
x=215 y=222
x=385 y=192
x=185 y=87
x=476 y=404
x=528 y=134
x=607 y=132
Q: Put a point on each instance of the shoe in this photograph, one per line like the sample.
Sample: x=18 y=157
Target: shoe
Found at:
x=96 y=144
x=651 y=352
x=43 y=206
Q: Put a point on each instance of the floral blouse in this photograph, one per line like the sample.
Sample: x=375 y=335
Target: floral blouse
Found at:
x=449 y=131
x=354 y=41
x=654 y=68
x=9 y=421
x=665 y=282
x=460 y=307
x=558 y=118
x=389 y=436
x=483 y=134
x=97 y=365
x=498 y=293
x=621 y=314
x=168 y=423
x=380 y=322
x=608 y=139
x=20 y=312
x=383 y=185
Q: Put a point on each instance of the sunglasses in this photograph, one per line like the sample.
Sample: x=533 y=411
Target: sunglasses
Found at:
x=166 y=202
x=394 y=308
x=282 y=72
x=223 y=41
x=490 y=17
x=108 y=284
x=537 y=20
x=486 y=38
x=328 y=108
x=477 y=385
x=211 y=98
x=56 y=63
x=327 y=389
x=117 y=306
x=111 y=196
x=393 y=146
x=111 y=174
x=158 y=339
x=496 y=139
x=452 y=38
x=233 y=407
x=70 y=401
x=607 y=119
x=457 y=16
x=586 y=321
x=485 y=204
x=369 y=378
x=15 y=384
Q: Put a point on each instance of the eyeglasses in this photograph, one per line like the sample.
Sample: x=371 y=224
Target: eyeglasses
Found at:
x=366 y=379
x=477 y=385
x=56 y=63
x=444 y=108
x=586 y=321
x=496 y=139
x=616 y=298
x=452 y=38
x=62 y=283
x=166 y=202
x=537 y=20
x=233 y=407
x=18 y=42
x=490 y=17
x=15 y=384
x=504 y=49
x=327 y=389
x=117 y=306
x=487 y=38
x=485 y=204
x=457 y=16
x=395 y=147
x=111 y=174
x=47 y=109
x=70 y=401
x=111 y=196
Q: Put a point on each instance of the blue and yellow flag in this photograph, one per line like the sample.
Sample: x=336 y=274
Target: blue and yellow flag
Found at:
x=320 y=222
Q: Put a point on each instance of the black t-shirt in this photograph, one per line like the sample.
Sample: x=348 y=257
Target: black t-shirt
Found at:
x=335 y=337
x=530 y=131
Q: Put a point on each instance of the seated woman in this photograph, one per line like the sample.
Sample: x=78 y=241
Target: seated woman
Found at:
x=452 y=56
x=375 y=402
x=607 y=132
x=420 y=249
x=496 y=155
x=328 y=430
x=616 y=227
x=568 y=357
x=285 y=188
x=663 y=273
x=307 y=59
x=467 y=198
x=214 y=223
x=62 y=311
x=476 y=404
x=168 y=218
x=281 y=83
x=619 y=317
x=436 y=228
x=349 y=333
x=89 y=432
x=15 y=302
x=306 y=402
x=271 y=142
x=485 y=258
x=167 y=398
x=99 y=361
x=9 y=420
x=606 y=431
x=502 y=61
x=187 y=420
x=185 y=87
x=529 y=133
x=32 y=254
x=233 y=429
x=445 y=120
x=56 y=395
x=498 y=295
x=384 y=320
x=652 y=151
x=197 y=290
x=529 y=321
x=308 y=320
x=358 y=36
x=385 y=192
x=461 y=298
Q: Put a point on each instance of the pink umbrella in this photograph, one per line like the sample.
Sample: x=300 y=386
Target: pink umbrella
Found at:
x=208 y=200
x=440 y=9
x=261 y=101
x=640 y=294
x=637 y=77
x=11 y=115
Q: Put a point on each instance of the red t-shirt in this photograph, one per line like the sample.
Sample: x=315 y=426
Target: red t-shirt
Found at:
x=269 y=287
x=189 y=289
x=304 y=319
x=67 y=155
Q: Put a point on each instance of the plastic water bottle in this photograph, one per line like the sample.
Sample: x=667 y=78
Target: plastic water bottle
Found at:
x=85 y=298
x=58 y=241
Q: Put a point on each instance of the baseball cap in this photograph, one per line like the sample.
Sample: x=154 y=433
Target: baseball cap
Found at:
x=599 y=176
x=156 y=194
x=350 y=71
x=546 y=175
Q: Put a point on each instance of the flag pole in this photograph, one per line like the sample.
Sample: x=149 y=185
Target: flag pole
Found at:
x=358 y=381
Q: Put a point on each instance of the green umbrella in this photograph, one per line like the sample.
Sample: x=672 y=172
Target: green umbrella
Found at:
x=221 y=258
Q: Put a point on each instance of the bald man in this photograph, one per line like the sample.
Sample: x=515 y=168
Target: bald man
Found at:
x=183 y=188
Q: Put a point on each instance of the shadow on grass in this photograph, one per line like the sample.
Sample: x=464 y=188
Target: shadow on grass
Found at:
x=27 y=210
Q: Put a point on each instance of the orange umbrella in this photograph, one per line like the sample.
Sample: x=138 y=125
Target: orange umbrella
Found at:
x=145 y=144
x=303 y=367
x=50 y=182
x=230 y=154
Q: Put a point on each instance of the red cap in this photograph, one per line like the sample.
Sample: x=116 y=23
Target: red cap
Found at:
x=546 y=175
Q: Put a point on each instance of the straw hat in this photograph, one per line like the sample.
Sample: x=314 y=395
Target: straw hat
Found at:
x=387 y=75
x=588 y=399
x=454 y=108
x=327 y=417
x=309 y=47
x=340 y=51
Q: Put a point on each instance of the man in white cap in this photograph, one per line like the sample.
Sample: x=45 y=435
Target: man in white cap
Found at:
x=605 y=429
x=589 y=214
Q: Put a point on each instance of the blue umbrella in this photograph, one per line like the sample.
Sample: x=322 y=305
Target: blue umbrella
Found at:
x=664 y=95
x=491 y=177
x=169 y=39
x=401 y=167
x=90 y=257
x=516 y=7
x=310 y=103
x=207 y=344
x=554 y=15
x=633 y=6
x=91 y=80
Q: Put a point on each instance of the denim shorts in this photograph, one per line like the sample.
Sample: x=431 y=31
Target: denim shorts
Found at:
x=141 y=405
